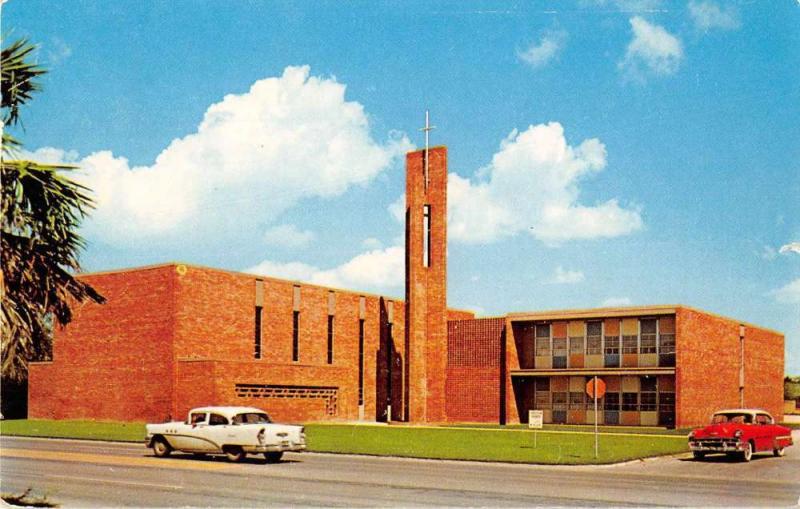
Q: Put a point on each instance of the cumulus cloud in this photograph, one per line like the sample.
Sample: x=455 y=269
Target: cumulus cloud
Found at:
x=548 y=47
x=652 y=50
x=791 y=247
x=531 y=185
x=287 y=235
x=253 y=156
x=707 y=15
x=789 y=294
x=378 y=270
x=615 y=302
x=566 y=277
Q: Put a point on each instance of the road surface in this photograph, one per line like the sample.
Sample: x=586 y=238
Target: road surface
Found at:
x=81 y=473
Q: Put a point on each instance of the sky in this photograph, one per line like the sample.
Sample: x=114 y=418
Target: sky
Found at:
x=601 y=152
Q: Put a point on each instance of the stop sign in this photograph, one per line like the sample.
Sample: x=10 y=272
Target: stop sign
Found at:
x=600 y=390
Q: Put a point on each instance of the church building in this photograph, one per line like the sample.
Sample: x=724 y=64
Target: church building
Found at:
x=174 y=336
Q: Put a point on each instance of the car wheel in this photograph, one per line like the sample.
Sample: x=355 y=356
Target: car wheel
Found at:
x=273 y=457
x=698 y=455
x=161 y=448
x=747 y=454
x=779 y=451
x=234 y=454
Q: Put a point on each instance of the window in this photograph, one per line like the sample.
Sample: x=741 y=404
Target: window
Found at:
x=594 y=338
x=647 y=401
x=612 y=345
x=576 y=345
x=667 y=343
x=257 y=338
x=648 y=330
x=198 y=418
x=330 y=339
x=666 y=402
x=542 y=394
x=630 y=401
x=559 y=347
x=559 y=400
x=630 y=344
x=251 y=418
x=763 y=419
x=543 y=340
x=217 y=420
x=576 y=401
x=426 y=235
x=295 y=335
x=611 y=401
x=361 y=361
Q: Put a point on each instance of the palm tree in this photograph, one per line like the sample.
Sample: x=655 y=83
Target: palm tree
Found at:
x=41 y=211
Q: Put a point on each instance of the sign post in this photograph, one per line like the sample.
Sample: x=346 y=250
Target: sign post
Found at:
x=596 y=388
x=535 y=421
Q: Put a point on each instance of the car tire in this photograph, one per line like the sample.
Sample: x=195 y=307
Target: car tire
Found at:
x=161 y=448
x=747 y=454
x=698 y=455
x=273 y=457
x=234 y=454
x=779 y=451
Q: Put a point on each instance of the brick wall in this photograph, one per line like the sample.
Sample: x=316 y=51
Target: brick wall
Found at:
x=473 y=383
x=707 y=367
x=114 y=361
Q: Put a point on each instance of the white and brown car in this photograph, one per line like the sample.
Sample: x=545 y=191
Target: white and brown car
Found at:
x=229 y=430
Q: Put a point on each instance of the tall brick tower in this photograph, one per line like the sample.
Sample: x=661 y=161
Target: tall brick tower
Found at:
x=426 y=284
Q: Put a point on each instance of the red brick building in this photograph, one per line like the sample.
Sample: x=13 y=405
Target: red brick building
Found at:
x=175 y=336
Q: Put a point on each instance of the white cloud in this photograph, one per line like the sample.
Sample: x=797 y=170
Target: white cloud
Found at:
x=371 y=243
x=615 y=302
x=566 y=277
x=253 y=156
x=379 y=270
x=548 y=47
x=707 y=15
x=652 y=50
x=789 y=294
x=531 y=186
x=287 y=235
x=791 y=247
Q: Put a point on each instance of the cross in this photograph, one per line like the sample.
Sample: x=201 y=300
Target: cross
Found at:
x=428 y=127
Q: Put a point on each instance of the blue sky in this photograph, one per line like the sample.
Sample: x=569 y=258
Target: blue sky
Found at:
x=601 y=151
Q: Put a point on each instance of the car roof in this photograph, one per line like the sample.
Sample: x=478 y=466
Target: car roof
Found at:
x=741 y=411
x=228 y=411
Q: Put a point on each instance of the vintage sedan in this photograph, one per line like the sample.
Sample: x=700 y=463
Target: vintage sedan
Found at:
x=232 y=431
x=740 y=432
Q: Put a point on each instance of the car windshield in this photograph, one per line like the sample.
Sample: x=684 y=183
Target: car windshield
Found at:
x=735 y=417
x=252 y=418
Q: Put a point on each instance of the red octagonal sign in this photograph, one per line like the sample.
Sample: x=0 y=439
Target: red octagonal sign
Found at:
x=601 y=388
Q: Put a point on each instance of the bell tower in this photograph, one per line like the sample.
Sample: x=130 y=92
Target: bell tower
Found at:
x=426 y=282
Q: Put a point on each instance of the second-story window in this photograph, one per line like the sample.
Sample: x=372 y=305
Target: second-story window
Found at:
x=330 y=339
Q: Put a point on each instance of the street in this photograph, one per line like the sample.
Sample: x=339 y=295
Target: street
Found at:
x=81 y=473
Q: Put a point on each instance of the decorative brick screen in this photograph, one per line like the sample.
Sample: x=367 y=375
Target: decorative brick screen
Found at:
x=329 y=394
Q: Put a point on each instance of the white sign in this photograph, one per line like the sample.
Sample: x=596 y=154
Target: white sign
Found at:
x=535 y=419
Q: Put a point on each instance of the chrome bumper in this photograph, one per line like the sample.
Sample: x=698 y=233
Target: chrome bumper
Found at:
x=716 y=446
x=290 y=447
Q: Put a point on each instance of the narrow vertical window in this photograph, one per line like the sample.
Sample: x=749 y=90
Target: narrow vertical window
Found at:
x=295 y=335
x=361 y=361
x=257 y=346
x=426 y=235
x=389 y=359
x=330 y=339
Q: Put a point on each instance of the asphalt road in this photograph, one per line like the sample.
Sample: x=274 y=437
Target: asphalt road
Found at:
x=80 y=473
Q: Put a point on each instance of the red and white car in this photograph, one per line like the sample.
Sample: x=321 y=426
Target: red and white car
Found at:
x=741 y=432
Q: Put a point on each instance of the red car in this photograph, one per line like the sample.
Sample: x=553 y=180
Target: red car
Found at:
x=740 y=432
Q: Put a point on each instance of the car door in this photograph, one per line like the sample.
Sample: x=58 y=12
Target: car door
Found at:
x=218 y=432
x=191 y=437
x=763 y=432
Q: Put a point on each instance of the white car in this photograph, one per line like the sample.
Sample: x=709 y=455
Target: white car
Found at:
x=230 y=430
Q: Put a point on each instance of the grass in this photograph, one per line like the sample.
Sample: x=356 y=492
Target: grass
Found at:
x=482 y=444
x=91 y=430
x=488 y=444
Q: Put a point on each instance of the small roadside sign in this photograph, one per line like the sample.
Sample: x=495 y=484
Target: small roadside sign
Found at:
x=601 y=388
x=535 y=419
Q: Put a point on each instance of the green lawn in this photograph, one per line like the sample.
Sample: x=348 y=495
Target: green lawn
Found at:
x=91 y=430
x=482 y=444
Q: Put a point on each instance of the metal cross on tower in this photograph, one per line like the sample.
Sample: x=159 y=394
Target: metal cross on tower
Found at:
x=428 y=127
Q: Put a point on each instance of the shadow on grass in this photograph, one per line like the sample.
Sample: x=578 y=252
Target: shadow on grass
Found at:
x=26 y=500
